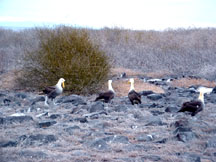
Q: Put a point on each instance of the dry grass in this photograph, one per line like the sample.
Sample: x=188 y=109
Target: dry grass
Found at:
x=122 y=87
x=129 y=72
x=187 y=82
x=157 y=74
x=8 y=80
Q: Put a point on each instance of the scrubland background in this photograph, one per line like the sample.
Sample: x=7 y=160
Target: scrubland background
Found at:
x=181 y=51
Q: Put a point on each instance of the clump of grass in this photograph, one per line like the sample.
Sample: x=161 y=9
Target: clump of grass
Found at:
x=68 y=53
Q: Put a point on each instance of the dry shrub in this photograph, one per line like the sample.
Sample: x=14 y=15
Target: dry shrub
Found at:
x=68 y=53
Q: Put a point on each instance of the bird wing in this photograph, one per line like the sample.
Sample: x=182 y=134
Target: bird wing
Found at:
x=134 y=95
x=191 y=106
x=50 y=89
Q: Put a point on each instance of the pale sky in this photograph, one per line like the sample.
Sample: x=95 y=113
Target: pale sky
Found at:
x=129 y=14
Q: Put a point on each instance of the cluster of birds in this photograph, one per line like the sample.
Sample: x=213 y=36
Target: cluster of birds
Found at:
x=193 y=106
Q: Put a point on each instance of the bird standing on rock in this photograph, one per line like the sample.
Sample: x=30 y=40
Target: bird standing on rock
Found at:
x=195 y=106
x=53 y=91
x=108 y=95
x=134 y=97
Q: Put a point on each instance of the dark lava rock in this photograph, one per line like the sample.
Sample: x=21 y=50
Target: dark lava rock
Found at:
x=21 y=95
x=183 y=131
x=214 y=90
x=151 y=157
x=146 y=93
x=37 y=140
x=120 y=108
x=156 y=112
x=81 y=120
x=155 y=121
x=171 y=109
x=15 y=119
x=211 y=142
x=185 y=136
x=117 y=139
x=45 y=124
x=6 y=102
x=96 y=107
x=154 y=97
x=32 y=154
x=211 y=98
x=37 y=99
x=164 y=140
x=71 y=130
x=191 y=157
x=8 y=143
x=144 y=138
x=74 y=99
x=55 y=116
x=181 y=123
x=99 y=144
x=155 y=105
x=138 y=147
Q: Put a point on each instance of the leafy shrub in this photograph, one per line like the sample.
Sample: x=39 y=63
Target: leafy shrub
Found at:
x=68 y=53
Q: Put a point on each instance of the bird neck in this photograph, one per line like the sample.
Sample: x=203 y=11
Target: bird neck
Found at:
x=201 y=97
x=131 y=87
x=59 y=85
x=110 y=87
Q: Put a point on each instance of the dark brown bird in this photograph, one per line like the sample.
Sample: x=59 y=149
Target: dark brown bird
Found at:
x=108 y=95
x=194 y=106
x=134 y=97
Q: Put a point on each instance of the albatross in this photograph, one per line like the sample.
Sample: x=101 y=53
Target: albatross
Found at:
x=53 y=91
x=134 y=97
x=108 y=95
x=195 y=106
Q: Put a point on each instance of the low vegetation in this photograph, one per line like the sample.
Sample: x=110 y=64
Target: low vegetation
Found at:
x=180 y=52
x=68 y=53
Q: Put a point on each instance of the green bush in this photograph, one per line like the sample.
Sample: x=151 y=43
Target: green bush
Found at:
x=65 y=52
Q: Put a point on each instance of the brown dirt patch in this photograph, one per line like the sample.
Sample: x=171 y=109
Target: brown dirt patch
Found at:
x=134 y=73
x=187 y=82
x=122 y=87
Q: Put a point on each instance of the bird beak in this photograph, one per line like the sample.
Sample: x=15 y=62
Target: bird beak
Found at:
x=63 y=85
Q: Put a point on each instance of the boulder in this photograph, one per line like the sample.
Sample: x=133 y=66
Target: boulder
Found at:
x=15 y=119
x=36 y=140
x=73 y=99
x=45 y=124
x=96 y=107
x=154 y=97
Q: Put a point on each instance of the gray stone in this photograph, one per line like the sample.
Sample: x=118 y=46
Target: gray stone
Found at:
x=73 y=99
x=100 y=144
x=154 y=97
x=212 y=142
x=36 y=140
x=71 y=130
x=96 y=107
x=171 y=109
x=155 y=121
x=8 y=143
x=45 y=124
x=15 y=119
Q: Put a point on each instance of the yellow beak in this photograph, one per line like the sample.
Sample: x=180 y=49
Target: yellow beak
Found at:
x=63 y=85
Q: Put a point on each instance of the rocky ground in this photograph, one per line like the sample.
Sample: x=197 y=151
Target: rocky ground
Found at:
x=79 y=129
